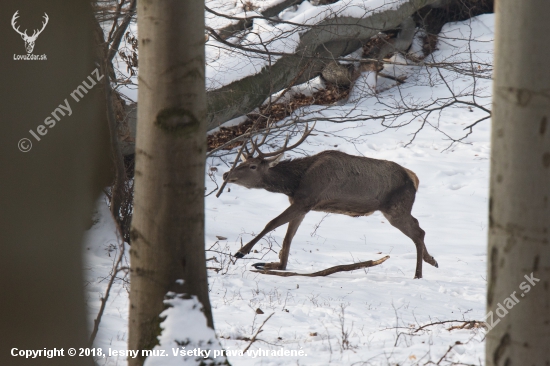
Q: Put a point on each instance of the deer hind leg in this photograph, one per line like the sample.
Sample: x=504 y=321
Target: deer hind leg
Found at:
x=429 y=259
x=285 y=250
x=409 y=226
x=292 y=212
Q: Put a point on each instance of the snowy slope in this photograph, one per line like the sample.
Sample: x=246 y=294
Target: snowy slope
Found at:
x=360 y=317
x=225 y=65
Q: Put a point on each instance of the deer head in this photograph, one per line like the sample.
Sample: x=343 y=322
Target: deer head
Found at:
x=251 y=172
x=29 y=40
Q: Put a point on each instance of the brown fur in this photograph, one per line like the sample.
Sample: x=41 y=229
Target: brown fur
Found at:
x=414 y=178
x=334 y=182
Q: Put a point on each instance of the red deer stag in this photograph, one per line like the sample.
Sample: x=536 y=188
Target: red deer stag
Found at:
x=333 y=182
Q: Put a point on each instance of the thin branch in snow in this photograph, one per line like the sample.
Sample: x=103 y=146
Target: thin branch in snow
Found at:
x=253 y=339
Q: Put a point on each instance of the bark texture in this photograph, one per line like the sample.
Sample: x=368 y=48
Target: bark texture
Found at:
x=47 y=194
x=168 y=223
x=519 y=213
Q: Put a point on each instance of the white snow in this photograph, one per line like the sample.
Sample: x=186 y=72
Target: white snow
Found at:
x=363 y=317
x=225 y=65
x=185 y=336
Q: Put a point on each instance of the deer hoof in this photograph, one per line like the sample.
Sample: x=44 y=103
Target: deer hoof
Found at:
x=238 y=255
x=260 y=266
x=431 y=260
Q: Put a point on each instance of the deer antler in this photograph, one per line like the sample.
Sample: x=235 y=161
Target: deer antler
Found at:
x=256 y=145
x=24 y=34
x=36 y=33
x=13 y=19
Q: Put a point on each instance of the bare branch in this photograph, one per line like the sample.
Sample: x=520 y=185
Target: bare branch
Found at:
x=328 y=271
x=253 y=339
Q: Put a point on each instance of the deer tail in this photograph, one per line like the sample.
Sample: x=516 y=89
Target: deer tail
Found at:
x=413 y=177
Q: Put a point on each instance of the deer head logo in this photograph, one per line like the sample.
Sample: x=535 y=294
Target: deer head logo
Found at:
x=29 y=40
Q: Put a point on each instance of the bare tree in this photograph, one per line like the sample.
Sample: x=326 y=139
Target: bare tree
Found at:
x=167 y=232
x=312 y=43
x=113 y=19
x=392 y=58
x=244 y=34
x=519 y=211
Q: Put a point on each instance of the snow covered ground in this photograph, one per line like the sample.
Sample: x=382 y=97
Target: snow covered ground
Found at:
x=226 y=66
x=364 y=317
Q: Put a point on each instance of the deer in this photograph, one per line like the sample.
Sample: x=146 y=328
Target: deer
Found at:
x=332 y=182
x=29 y=40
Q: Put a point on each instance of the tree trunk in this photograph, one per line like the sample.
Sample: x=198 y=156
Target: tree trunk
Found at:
x=106 y=53
x=168 y=224
x=48 y=193
x=331 y=38
x=519 y=207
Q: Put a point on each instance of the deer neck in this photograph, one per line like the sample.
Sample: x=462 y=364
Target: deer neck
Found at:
x=284 y=177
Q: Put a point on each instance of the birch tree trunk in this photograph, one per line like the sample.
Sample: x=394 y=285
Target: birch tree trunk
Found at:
x=168 y=223
x=518 y=295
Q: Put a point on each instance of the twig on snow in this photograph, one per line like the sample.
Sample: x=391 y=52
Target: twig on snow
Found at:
x=328 y=271
x=253 y=339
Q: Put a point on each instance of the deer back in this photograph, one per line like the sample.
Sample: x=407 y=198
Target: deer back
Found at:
x=332 y=176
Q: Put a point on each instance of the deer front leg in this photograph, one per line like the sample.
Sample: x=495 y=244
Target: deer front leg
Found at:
x=285 y=250
x=292 y=212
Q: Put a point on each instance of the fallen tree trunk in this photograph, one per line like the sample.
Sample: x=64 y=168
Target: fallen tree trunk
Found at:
x=330 y=39
x=327 y=40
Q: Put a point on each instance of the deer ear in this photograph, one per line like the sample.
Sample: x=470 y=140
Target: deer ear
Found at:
x=275 y=160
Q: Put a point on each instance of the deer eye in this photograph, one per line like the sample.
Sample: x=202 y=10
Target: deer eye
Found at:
x=253 y=167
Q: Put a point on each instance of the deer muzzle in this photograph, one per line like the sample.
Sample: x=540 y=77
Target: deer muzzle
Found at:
x=229 y=179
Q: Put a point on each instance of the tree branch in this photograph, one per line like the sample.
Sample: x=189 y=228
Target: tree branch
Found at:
x=328 y=271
